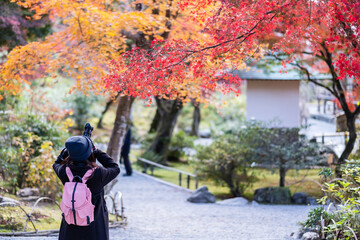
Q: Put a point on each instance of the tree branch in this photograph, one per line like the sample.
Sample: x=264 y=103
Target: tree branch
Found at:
x=316 y=55
x=336 y=82
x=304 y=69
x=81 y=31
x=243 y=37
x=309 y=78
x=190 y=53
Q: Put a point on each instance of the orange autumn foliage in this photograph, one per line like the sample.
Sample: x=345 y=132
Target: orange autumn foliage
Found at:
x=89 y=34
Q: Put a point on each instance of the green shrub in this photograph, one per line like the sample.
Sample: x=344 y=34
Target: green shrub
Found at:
x=227 y=160
x=178 y=142
x=344 y=221
x=22 y=141
x=41 y=173
x=285 y=149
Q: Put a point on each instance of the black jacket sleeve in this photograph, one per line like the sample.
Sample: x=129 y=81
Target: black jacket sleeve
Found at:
x=60 y=170
x=111 y=169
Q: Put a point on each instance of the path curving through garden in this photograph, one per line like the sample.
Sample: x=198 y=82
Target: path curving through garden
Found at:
x=159 y=211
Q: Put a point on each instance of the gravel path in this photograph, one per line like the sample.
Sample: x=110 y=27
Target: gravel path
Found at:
x=158 y=211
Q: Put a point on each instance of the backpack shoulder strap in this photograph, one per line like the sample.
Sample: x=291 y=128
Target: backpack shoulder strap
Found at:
x=69 y=174
x=88 y=174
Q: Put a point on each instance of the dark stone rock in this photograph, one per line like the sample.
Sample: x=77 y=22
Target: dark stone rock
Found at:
x=300 y=198
x=273 y=195
x=311 y=201
x=202 y=195
x=27 y=192
x=206 y=133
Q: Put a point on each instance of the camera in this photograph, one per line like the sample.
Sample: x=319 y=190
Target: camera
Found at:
x=88 y=130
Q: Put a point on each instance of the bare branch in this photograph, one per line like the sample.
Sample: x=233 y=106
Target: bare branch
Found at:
x=309 y=78
x=81 y=31
x=190 y=53
x=312 y=54
x=336 y=82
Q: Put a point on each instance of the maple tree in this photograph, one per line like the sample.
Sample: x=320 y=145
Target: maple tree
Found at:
x=314 y=36
x=86 y=37
x=182 y=50
x=328 y=43
x=131 y=35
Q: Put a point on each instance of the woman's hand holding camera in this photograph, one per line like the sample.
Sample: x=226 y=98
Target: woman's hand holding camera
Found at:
x=64 y=154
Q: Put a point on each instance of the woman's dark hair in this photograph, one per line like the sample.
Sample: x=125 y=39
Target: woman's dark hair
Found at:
x=91 y=161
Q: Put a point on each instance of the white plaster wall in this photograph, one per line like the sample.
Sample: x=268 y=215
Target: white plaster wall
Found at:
x=270 y=99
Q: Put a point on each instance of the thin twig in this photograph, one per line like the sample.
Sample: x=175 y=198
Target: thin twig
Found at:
x=309 y=78
x=352 y=232
x=243 y=37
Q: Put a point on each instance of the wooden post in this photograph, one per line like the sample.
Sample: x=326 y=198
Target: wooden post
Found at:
x=152 y=170
x=196 y=183
x=145 y=168
x=323 y=139
x=179 y=179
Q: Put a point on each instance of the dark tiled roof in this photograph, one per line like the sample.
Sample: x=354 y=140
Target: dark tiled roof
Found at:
x=264 y=71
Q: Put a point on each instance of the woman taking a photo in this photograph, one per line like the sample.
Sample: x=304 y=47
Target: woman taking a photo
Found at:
x=79 y=156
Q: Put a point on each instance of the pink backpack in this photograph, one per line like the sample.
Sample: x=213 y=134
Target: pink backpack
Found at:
x=76 y=200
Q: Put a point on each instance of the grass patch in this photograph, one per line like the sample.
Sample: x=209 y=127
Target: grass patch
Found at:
x=45 y=217
x=267 y=178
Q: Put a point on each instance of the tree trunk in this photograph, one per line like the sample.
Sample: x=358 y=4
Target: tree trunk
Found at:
x=169 y=111
x=118 y=133
x=350 y=122
x=120 y=127
x=107 y=107
x=234 y=189
x=155 y=122
x=3 y=176
x=196 y=120
x=20 y=178
x=230 y=181
x=282 y=172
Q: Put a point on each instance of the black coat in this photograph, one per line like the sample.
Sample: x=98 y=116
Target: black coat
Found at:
x=99 y=228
